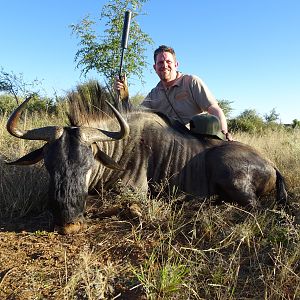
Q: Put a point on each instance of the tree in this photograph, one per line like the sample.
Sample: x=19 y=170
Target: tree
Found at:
x=137 y=99
x=36 y=104
x=15 y=85
x=14 y=89
x=102 y=52
x=296 y=123
x=272 y=116
x=248 y=121
x=226 y=107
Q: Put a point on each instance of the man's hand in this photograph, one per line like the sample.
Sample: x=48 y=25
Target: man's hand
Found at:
x=228 y=135
x=122 y=88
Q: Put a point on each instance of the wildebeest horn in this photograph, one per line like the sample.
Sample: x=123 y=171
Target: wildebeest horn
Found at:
x=47 y=134
x=91 y=135
x=50 y=133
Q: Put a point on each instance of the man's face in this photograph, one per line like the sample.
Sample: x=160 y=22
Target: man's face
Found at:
x=166 y=66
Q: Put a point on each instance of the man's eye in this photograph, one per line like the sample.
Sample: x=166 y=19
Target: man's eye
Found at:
x=161 y=63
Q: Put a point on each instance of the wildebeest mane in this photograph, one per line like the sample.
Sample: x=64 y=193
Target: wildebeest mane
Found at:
x=87 y=105
x=173 y=123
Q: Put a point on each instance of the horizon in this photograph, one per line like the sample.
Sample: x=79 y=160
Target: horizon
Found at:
x=247 y=53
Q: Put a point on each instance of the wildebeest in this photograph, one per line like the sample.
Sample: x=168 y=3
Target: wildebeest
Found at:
x=140 y=149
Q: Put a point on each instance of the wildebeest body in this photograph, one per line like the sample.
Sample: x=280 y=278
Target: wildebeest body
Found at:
x=152 y=153
x=146 y=150
x=156 y=152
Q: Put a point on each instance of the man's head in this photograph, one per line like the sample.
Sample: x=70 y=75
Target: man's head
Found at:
x=165 y=63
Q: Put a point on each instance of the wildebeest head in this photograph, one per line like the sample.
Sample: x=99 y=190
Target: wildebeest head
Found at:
x=69 y=159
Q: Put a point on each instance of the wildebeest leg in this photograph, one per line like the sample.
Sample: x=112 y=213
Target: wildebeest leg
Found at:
x=242 y=195
x=238 y=173
x=233 y=185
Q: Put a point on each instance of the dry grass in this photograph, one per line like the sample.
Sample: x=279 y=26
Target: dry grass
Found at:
x=282 y=147
x=190 y=251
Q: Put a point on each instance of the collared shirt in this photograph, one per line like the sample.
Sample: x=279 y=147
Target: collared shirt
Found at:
x=188 y=96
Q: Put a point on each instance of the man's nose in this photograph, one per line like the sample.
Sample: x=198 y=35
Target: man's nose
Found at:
x=165 y=64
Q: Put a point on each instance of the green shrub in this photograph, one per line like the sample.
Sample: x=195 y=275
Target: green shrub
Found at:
x=248 y=121
x=37 y=104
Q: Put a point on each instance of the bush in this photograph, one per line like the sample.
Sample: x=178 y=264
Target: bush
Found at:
x=38 y=104
x=296 y=124
x=7 y=104
x=248 y=121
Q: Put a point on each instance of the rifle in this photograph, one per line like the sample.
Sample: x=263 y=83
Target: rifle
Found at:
x=124 y=44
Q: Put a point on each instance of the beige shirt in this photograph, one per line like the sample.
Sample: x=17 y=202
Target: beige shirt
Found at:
x=188 y=95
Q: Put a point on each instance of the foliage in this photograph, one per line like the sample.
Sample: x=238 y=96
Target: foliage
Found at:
x=7 y=103
x=162 y=279
x=15 y=85
x=137 y=99
x=226 y=107
x=272 y=116
x=36 y=104
x=296 y=123
x=14 y=89
x=248 y=121
x=102 y=52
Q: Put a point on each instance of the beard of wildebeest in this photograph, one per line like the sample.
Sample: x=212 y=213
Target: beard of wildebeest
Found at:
x=68 y=161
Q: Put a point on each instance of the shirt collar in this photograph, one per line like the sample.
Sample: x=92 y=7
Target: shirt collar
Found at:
x=177 y=81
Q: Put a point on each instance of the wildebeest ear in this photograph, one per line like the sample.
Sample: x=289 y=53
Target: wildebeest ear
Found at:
x=29 y=159
x=107 y=161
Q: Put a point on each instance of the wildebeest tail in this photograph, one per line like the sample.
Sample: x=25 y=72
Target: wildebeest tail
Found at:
x=281 y=189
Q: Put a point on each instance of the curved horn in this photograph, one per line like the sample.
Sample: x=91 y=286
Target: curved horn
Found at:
x=47 y=134
x=92 y=135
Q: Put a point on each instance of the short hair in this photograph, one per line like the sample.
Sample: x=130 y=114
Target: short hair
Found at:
x=164 y=48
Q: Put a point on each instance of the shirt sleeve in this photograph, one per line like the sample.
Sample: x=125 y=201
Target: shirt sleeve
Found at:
x=201 y=93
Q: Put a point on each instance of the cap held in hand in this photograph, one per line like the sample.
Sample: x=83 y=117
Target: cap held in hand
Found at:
x=207 y=124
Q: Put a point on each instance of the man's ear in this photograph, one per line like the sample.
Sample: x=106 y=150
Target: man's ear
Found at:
x=176 y=64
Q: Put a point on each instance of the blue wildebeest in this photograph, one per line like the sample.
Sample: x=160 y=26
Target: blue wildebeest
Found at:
x=139 y=149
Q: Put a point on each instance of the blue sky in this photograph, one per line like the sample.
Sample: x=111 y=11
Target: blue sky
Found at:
x=247 y=52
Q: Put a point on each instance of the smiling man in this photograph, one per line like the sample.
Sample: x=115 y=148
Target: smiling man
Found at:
x=180 y=96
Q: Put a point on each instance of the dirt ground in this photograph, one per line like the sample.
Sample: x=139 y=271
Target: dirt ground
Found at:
x=38 y=263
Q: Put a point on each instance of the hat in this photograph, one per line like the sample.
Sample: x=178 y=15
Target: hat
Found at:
x=208 y=125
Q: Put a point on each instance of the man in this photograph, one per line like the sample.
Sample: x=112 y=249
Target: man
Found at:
x=177 y=95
